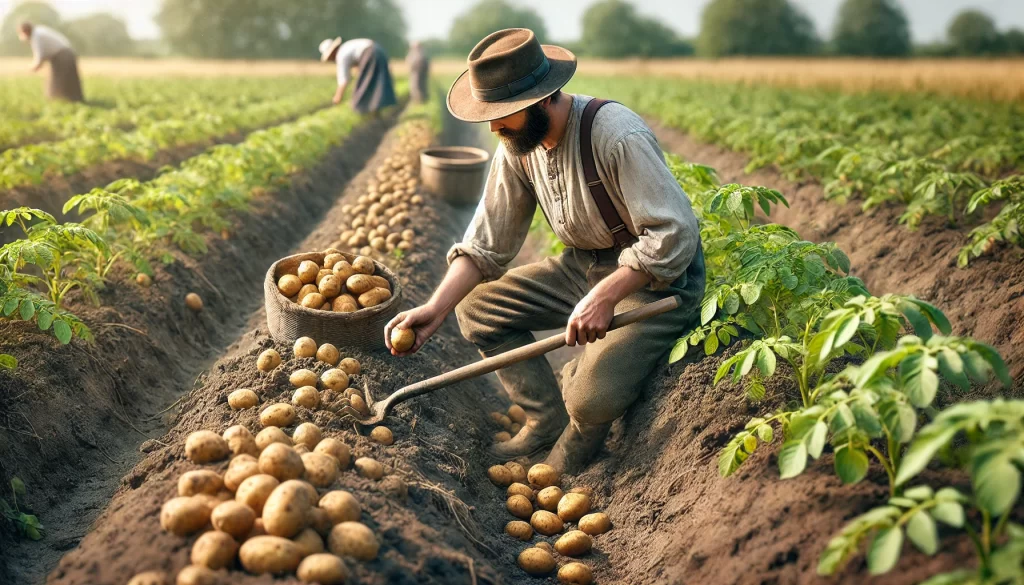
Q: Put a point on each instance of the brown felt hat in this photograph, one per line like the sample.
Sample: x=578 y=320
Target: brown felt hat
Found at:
x=508 y=71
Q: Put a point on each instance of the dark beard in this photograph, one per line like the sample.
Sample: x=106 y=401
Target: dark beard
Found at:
x=522 y=142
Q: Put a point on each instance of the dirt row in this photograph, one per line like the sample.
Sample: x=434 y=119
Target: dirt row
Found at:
x=985 y=300
x=72 y=418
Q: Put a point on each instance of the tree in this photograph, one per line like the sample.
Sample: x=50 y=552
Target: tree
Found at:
x=102 y=35
x=34 y=12
x=1013 y=40
x=613 y=29
x=872 y=28
x=973 y=32
x=272 y=29
x=489 y=16
x=755 y=27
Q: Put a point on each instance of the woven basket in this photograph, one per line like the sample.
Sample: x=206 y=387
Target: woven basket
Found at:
x=362 y=329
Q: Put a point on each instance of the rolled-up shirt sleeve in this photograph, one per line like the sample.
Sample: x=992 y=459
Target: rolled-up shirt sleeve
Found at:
x=501 y=221
x=666 y=227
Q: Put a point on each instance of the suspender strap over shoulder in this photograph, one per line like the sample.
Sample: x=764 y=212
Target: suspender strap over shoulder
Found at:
x=598 y=191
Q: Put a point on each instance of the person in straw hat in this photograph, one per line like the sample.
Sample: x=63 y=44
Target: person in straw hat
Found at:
x=49 y=45
x=630 y=237
x=374 y=88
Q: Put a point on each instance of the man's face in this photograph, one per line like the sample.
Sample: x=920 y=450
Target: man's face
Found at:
x=523 y=131
x=22 y=36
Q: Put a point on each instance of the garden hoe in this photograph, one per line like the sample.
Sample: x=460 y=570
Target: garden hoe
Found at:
x=382 y=408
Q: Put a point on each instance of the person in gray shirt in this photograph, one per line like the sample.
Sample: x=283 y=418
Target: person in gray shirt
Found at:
x=631 y=238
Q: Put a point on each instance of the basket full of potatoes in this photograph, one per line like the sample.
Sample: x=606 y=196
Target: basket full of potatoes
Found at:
x=337 y=297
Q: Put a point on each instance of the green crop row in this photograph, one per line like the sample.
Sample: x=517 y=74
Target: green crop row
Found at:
x=928 y=155
x=32 y=164
x=135 y=222
x=129 y=103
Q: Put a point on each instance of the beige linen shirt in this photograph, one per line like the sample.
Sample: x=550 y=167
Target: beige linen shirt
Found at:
x=629 y=161
x=46 y=43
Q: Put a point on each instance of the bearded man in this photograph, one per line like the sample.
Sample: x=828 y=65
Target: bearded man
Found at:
x=631 y=238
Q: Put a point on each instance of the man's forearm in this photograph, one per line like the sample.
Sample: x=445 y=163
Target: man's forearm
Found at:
x=461 y=278
x=620 y=284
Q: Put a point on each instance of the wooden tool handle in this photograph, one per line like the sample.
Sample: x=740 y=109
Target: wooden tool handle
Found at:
x=537 y=348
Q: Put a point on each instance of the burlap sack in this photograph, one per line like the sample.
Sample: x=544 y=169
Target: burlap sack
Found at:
x=362 y=329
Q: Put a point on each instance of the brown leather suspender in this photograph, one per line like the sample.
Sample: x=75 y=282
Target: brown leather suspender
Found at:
x=596 y=187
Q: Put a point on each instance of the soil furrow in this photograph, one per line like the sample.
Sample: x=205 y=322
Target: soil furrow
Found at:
x=77 y=414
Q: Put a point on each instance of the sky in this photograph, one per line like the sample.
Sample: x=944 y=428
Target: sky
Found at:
x=432 y=18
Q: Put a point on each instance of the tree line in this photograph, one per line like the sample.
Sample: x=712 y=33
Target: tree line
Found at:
x=269 y=29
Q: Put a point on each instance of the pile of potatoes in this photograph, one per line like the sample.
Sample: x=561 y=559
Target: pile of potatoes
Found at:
x=377 y=223
x=535 y=498
x=338 y=285
x=512 y=422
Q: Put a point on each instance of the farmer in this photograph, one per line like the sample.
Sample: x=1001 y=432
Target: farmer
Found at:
x=49 y=45
x=419 y=72
x=374 y=89
x=631 y=238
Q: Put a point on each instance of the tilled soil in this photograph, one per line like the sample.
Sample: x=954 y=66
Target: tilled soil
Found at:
x=985 y=300
x=72 y=417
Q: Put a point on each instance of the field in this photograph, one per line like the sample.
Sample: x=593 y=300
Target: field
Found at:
x=845 y=409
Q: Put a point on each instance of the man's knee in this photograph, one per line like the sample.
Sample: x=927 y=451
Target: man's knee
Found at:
x=473 y=317
x=594 y=402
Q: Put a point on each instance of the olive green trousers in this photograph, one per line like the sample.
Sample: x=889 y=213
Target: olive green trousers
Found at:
x=609 y=375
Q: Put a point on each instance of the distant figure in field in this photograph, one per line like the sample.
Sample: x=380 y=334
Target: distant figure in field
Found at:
x=419 y=72
x=49 y=45
x=374 y=89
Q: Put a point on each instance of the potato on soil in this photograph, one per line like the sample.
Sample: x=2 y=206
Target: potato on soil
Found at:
x=318 y=520
x=543 y=475
x=504 y=421
x=363 y=265
x=353 y=539
x=573 y=506
x=520 y=489
x=545 y=546
x=519 y=506
x=199 y=481
x=321 y=470
x=286 y=509
x=301 y=449
x=549 y=497
x=496 y=417
x=309 y=542
x=206 y=447
x=382 y=435
x=402 y=339
x=328 y=354
x=242 y=398
x=546 y=523
x=304 y=347
x=518 y=472
x=323 y=568
x=596 y=523
x=306 y=396
x=289 y=285
x=369 y=468
x=240 y=441
x=303 y=377
x=150 y=578
x=234 y=518
x=341 y=506
x=499 y=475
x=307 y=434
x=335 y=448
x=198 y=575
x=270 y=554
x=143 y=280
x=536 y=561
x=271 y=435
x=575 y=574
x=268 y=360
x=519 y=529
x=211 y=501
x=502 y=437
x=235 y=475
x=307 y=271
x=350 y=366
x=194 y=302
x=514 y=429
x=255 y=490
x=374 y=297
x=282 y=462
x=184 y=515
x=258 y=530
x=278 y=415
x=357 y=402
x=574 y=543
x=517 y=414
x=396 y=487
x=243 y=458
x=334 y=379
x=214 y=550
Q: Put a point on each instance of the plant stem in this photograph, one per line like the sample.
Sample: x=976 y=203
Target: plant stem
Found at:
x=885 y=465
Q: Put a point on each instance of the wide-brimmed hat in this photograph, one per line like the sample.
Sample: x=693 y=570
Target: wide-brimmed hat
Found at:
x=328 y=47
x=508 y=71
